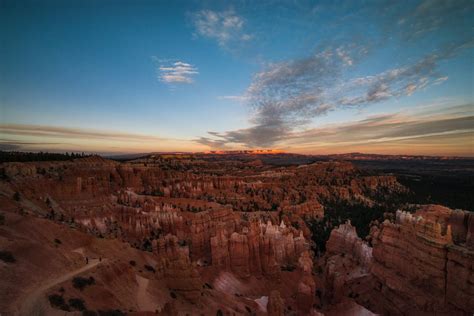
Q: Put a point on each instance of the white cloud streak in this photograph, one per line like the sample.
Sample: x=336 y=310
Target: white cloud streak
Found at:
x=176 y=72
x=236 y=98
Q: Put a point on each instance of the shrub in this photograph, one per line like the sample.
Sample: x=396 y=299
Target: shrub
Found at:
x=57 y=241
x=77 y=304
x=296 y=225
x=7 y=256
x=111 y=313
x=146 y=245
x=150 y=268
x=2 y=219
x=158 y=192
x=288 y=267
x=57 y=301
x=80 y=282
x=133 y=263
x=16 y=196
x=173 y=295
x=89 y=313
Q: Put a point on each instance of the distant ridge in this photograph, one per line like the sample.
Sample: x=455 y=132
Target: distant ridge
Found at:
x=250 y=151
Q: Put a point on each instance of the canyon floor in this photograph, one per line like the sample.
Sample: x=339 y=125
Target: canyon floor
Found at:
x=236 y=233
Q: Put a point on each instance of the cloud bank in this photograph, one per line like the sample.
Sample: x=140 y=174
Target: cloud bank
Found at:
x=287 y=96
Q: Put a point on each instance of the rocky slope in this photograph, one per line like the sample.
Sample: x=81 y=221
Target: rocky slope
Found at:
x=420 y=263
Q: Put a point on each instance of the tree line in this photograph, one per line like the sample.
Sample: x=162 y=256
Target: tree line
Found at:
x=18 y=156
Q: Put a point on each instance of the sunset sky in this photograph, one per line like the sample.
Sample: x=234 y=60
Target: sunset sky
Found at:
x=390 y=77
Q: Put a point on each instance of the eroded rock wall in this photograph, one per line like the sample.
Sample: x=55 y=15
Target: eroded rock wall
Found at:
x=420 y=263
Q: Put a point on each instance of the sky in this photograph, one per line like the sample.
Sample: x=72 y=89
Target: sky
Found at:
x=312 y=77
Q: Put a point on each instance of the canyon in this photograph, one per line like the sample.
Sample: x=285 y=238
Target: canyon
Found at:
x=226 y=234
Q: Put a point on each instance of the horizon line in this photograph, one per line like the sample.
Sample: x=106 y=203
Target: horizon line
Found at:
x=223 y=152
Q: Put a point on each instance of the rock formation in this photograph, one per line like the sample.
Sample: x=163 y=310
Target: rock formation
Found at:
x=275 y=306
x=347 y=258
x=419 y=267
x=421 y=263
x=175 y=266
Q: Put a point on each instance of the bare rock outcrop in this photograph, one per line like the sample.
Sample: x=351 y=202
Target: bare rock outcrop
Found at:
x=176 y=268
x=275 y=306
x=420 y=263
x=419 y=267
x=347 y=258
x=258 y=249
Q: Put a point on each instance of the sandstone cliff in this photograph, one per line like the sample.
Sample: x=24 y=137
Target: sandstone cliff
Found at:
x=419 y=267
x=420 y=263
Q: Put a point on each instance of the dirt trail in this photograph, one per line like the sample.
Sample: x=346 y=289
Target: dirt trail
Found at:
x=145 y=302
x=35 y=304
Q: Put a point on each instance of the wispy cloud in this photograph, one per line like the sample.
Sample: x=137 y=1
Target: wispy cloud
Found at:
x=287 y=96
x=237 y=98
x=435 y=15
x=57 y=138
x=65 y=132
x=402 y=81
x=448 y=132
x=442 y=131
x=175 y=71
x=225 y=27
x=10 y=145
x=383 y=128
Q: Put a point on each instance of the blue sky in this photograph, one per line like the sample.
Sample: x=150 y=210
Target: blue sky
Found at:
x=139 y=76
